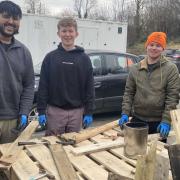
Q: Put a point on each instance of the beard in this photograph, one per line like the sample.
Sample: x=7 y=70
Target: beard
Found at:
x=4 y=33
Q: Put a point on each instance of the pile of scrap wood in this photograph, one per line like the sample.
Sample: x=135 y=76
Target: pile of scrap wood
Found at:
x=90 y=154
x=17 y=165
x=174 y=150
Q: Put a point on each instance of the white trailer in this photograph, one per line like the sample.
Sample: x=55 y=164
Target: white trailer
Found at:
x=39 y=34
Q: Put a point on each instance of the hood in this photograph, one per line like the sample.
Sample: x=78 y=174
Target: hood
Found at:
x=143 y=64
x=76 y=49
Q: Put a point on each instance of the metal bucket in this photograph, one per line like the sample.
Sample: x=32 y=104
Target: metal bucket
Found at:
x=135 y=139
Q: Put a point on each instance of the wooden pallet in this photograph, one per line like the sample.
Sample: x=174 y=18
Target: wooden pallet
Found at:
x=93 y=166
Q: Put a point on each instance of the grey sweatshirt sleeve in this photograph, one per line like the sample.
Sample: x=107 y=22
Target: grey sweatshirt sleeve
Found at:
x=27 y=94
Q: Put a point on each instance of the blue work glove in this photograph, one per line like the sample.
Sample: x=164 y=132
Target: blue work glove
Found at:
x=87 y=120
x=164 y=129
x=23 y=121
x=124 y=119
x=42 y=120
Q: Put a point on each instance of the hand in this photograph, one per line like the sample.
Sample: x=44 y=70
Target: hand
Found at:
x=42 y=120
x=164 y=129
x=87 y=120
x=23 y=121
x=124 y=119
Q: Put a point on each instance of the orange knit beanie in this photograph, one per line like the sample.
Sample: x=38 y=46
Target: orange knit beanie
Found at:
x=158 y=37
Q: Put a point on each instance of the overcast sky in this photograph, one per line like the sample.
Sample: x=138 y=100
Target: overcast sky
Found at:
x=56 y=5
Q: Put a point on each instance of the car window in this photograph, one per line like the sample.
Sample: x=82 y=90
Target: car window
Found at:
x=96 y=61
x=116 y=63
x=178 y=52
x=130 y=62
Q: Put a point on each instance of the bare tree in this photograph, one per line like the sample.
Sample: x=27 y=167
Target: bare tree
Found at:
x=143 y=16
x=137 y=18
x=101 y=13
x=118 y=10
x=66 y=12
x=83 y=7
x=78 y=7
x=35 y=7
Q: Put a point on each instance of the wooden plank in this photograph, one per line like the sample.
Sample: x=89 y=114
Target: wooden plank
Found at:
x=119 y=152
x=62 y=162
x=174 y=155
x=145 y=168
x=79 y=176
x=13 y=151
x=43 y=156
x=112 y=163
x=79 y=137
x=162 y=163
x=113 y=176
x=24 y=168
x=161 y=168
x=96 y=147
x=88 y=168
x=175 y=117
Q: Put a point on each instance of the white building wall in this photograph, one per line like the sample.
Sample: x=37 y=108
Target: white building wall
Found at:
x=39 y=34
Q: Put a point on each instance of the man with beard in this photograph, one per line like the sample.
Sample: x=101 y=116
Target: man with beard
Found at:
x=16 y=73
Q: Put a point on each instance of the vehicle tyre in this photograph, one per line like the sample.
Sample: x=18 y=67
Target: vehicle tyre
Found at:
x=33 y=115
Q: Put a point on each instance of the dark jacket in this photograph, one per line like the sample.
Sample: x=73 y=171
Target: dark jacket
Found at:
x=151 y=95
x=66 y=80
x=16 y=81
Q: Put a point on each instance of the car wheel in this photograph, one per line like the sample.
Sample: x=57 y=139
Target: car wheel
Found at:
x=33 y=116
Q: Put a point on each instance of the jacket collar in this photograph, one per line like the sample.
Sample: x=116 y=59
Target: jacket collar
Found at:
x=144 y=65
x=15 y=43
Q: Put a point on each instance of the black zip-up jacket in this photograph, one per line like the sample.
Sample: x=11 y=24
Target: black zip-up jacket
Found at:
x=16 y=81
x=66 y=80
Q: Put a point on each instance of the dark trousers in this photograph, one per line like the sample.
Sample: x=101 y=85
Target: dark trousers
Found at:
x=152 y=126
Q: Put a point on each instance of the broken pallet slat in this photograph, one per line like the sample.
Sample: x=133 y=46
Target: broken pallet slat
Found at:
x=44 y=157
x=87 y=166
x=174 y=155
x=84 y=135
x=96 y=147
x=175 y=117
x=119 y=152
x=145 y=167
x=13 y=150
x=63 y=164
x=24 y=168
x=112 y=163
x=83 y=164
x=152 y=166
x=162 y=165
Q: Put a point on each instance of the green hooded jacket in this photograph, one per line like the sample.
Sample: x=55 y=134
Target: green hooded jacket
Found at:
x=151 y=95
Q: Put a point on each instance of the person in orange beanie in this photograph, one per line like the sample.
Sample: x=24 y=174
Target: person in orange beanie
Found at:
x=152 y=88
x=157 y=37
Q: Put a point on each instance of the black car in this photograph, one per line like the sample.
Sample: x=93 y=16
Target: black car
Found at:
x=142 y=56
x=110 y=71
x=174 y=56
